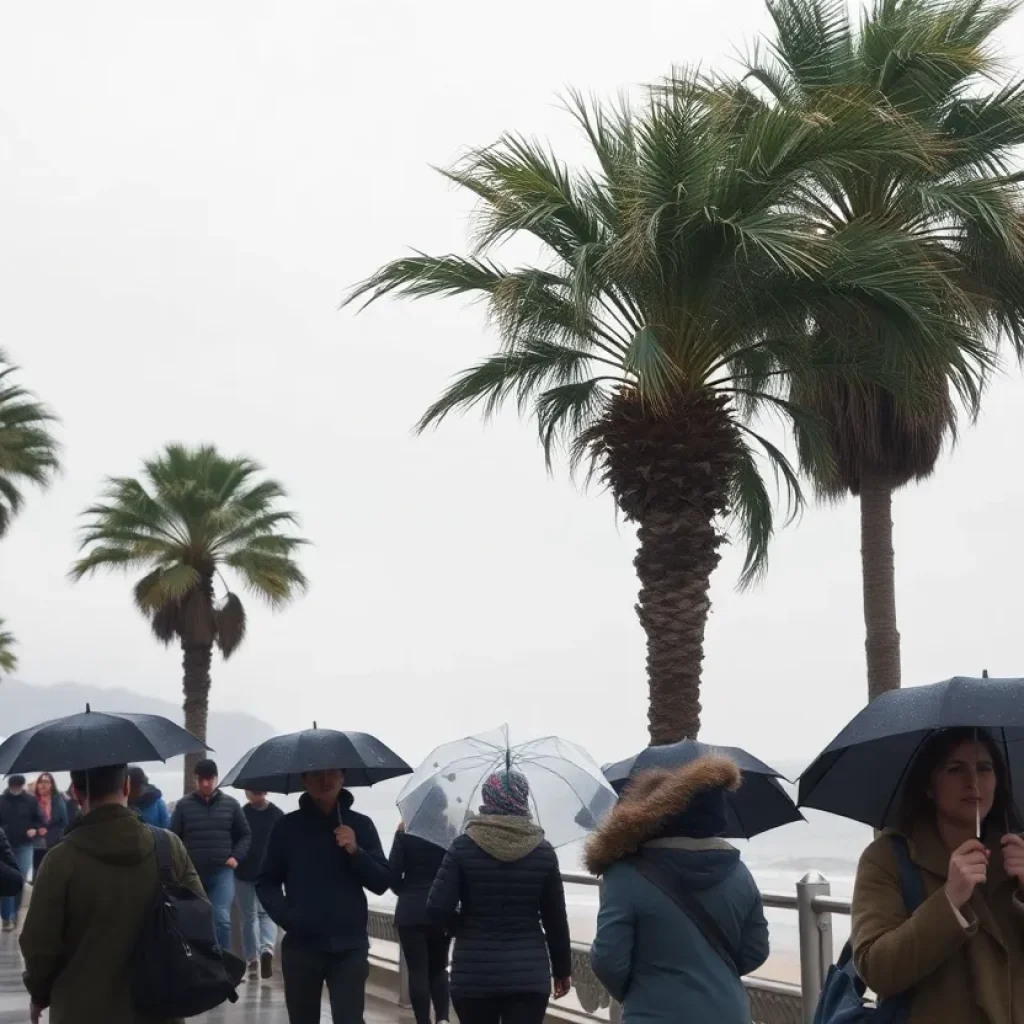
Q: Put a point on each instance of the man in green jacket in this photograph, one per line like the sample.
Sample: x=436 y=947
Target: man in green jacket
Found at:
x=88 y=905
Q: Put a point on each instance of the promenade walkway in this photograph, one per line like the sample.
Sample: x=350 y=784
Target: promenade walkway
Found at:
x=260 y=1002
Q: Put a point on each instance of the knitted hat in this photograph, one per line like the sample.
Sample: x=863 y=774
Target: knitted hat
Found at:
x=506 y=792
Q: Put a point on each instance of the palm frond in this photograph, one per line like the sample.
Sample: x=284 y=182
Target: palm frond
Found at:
x=230 y=618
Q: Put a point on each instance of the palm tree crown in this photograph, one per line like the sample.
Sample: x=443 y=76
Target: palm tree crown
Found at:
x=8 y=659
x=679 y=271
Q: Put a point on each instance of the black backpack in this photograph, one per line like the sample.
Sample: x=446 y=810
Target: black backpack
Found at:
x=178 y=970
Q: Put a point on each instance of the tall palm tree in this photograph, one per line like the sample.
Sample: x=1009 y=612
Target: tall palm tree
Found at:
x=193 y=514
x=932 y=61
x=28 y=450
x=669 y=304
x=8 y=659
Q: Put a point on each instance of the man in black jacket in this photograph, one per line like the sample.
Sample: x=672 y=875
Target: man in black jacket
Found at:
x=22 y=820
x=324 y=855
x=217 y=837
x=11 y=878
x=259 y=933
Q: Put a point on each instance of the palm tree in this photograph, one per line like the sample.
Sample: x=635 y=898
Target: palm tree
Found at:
x=8 y=659
x=929 y=60
x=28 y=450
x=193 y=514
x=668 y=307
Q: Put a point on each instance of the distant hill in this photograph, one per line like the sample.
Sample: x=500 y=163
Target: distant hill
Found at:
x=231 y=733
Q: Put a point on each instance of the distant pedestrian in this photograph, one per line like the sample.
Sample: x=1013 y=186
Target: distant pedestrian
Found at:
x=54 y=813
x=681 y=919
x=501 y=887
x=215 y=833
x=414 y=865
x=88 y=905
x=11 y=878
x=71 y=803
x=147 y=801
x=323 y=855
x=22 y=822
x=259 y=933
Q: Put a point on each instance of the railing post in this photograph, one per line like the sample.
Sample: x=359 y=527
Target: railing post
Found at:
x=815 y=940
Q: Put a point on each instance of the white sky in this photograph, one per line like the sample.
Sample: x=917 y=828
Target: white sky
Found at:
x=186 y=191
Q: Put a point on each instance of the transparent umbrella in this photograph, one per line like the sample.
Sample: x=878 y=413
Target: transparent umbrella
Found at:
x=568 y=794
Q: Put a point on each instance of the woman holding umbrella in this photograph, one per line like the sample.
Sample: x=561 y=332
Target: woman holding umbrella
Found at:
x=959 y=955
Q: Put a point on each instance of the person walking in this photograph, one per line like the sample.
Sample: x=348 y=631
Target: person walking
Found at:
x=323 y=855
x=681 y=919
x=216 y=834
x=11 y=878
x=88 y=906
x=500 y=889
x=259 y=933
x=959 y=956
x=54 y=813
x=147 y=801
x=414 y=865
x=22 y=821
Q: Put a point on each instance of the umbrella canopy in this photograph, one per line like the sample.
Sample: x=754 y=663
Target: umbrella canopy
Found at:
x=277 y=765
x=862 y=772
x=760 y=804
x=93 y=739
x=568 y=794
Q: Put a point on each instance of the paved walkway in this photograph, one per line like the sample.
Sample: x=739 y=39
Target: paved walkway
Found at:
x=259 y=1002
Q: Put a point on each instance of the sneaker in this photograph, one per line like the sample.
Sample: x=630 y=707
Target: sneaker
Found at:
x=8 y=926
x=254 y=968
x=267 y=964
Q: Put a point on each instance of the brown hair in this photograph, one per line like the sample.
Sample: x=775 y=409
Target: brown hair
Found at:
x=54 y=791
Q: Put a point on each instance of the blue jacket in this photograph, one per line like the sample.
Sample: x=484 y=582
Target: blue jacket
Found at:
x=152 y=808
x=323 y=905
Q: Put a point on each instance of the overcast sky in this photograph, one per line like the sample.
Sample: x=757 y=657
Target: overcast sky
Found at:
x=186 y=191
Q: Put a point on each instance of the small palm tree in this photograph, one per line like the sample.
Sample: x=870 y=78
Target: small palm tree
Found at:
x=670 y=303
x=8 y=659
x=193 y=514
x=929 y=60
x=28 y=450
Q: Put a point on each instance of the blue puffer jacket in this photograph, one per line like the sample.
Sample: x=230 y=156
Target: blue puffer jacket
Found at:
x=152 y=808
x=648 y=952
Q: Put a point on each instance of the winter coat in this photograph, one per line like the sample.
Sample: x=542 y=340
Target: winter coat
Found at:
x=18 y=814
x=323 y=906
x=261 y=824
x=151 y=807
x=87 y=907
x=11 y=880
x=648 y=952
x=212 y=830
x=56 y=826
x=414 y=864
x=973 y=974
x=498 y=884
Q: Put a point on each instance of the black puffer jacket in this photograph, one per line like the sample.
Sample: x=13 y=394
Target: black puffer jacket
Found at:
x=11 y=881
x=414 y=864
x=19 y=814
x=212 y=830
x=500 y=947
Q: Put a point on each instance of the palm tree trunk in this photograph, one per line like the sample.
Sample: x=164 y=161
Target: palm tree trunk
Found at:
x=882 y=638
x=195 y=665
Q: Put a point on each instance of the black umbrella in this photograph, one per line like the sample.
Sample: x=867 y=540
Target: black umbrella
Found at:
x=92 y=739
x=277 y=765
x=862 y=772
x=760 y=804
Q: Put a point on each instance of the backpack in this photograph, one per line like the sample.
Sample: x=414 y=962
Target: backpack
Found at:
x=178 y=970
x=842 y=995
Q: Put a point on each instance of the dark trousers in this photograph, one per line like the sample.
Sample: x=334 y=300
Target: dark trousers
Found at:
x=426 y=956
x=306 y=971
x=518 y=1008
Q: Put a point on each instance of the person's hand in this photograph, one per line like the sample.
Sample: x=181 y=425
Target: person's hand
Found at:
x=562 y=986
x=968 y=868
x=31 y=833
x=42 y=831
x=346 y=838
x=35 y=1013
x=231 y=863
x=1013 y=856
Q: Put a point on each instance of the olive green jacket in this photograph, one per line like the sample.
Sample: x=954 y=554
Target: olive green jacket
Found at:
x=86 y=910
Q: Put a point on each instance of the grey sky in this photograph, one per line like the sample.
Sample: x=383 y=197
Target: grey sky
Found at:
x=185 y=192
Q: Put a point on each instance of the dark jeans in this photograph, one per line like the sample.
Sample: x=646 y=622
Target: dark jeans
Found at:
x=518 y=1008
x=306 y=971
x=426 y=956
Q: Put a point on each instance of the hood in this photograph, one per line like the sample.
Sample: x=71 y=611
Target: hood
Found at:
x=505 y=837
x=309 y=805
x=655 y=804
x=147 y=798
x=111 y=834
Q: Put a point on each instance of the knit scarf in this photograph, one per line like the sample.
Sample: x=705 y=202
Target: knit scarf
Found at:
x=505 y=837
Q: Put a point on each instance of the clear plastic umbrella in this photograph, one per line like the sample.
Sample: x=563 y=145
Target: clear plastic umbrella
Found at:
x=569 y=796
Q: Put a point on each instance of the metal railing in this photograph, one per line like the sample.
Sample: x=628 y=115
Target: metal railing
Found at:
x=771 y=1002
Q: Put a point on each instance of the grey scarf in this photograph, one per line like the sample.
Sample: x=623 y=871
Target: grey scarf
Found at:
x=505 y=837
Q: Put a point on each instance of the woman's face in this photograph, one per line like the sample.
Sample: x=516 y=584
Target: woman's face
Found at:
x=964 y=785
x=43 y=786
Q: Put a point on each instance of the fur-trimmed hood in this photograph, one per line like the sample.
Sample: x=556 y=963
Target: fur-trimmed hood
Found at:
x=654 y=800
